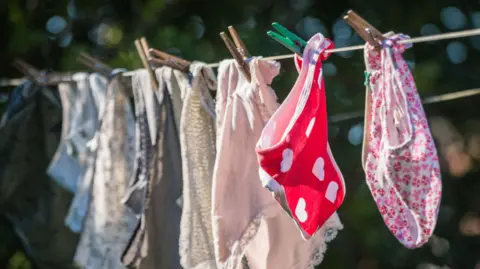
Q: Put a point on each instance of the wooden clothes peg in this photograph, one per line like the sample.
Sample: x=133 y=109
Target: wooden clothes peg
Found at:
x=142 y=49
x=160 y=58
x=26 y=68
x=241 y=48
x=94 y=64
x=234 y=50
x=32 y=73
x=366 y=31
x=365 y=24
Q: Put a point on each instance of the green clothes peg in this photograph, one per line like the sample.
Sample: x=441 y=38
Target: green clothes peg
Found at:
x=367 y=78
x=288 y=39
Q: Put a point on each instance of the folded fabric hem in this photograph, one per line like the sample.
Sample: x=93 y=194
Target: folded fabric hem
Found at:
x=208 y=264
x=237 y=249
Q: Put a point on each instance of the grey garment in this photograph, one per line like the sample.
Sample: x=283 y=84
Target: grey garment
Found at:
x=176 y=83
x=87 y=125
x=136 y=196
x=108 y=224
x=163 y=214
x=64 y=168
x=33 y=203
x=80 y=123
x=147 y=110
x=155 y=241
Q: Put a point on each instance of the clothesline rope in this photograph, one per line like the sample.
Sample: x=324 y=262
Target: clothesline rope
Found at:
x=429 y=100
x=437 y=37
x=357 y=114
x=453 y=35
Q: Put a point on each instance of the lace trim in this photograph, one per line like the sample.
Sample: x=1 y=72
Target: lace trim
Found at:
x=238 y=248
x=210 y=264
x=319 y=247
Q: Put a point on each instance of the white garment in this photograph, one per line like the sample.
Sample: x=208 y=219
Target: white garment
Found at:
x=81 y=107
x=197 y=138
x=177 y=84
x=247 y=220
x=80 y=122
x=109 y=224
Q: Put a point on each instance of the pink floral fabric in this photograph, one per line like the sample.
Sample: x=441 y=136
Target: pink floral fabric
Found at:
x=401 y=164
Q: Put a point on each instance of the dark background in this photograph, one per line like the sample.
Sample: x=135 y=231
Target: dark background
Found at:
x=50 y=34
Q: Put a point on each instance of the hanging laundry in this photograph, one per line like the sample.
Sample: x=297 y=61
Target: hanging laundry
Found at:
x=34 y=204
x=136 y=197
x=155 y=241
x=64 y=168
x=79 y=133
x=247 y=220
x=178 y=84
x=296 y=162
x=401 y=162
x=108 y=224
x=79 y=124
x=147 y=156
x=164 y=210
x=17 y=100
x=197 y=137
x=147 y=115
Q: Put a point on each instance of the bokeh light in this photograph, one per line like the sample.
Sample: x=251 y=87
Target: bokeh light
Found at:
x=457 y=52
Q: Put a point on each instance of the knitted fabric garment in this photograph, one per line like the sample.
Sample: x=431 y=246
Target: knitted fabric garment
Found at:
x=109 y=224
x=400 y=159
x=247 y=220
x=197 y=138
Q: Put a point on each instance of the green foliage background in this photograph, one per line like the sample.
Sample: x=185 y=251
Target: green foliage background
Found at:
x=190 y=28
